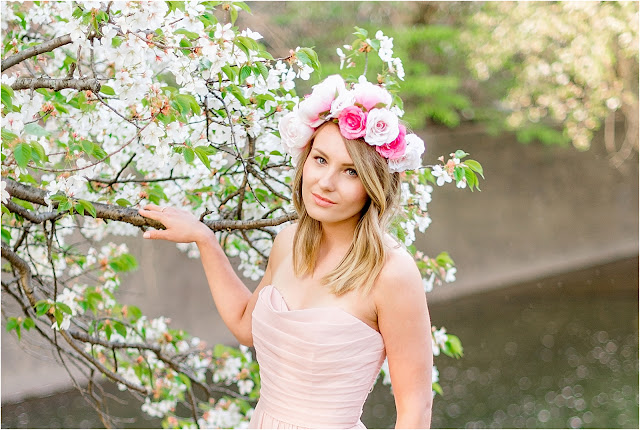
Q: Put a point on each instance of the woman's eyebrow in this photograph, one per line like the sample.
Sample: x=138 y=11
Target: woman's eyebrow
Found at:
x=328 y=158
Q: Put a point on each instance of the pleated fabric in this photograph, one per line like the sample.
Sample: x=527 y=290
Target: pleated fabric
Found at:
x=317 y=365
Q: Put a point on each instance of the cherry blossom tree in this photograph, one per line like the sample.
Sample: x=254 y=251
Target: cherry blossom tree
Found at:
x=107 y=106
x=573 y=64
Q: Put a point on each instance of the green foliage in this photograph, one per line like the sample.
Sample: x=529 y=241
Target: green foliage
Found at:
x=124 y=263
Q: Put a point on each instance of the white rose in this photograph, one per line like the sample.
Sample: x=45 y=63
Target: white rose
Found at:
x=412 y=158
x=382 y=127
x=294 y=133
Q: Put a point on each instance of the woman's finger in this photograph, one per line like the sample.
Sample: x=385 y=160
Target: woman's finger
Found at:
x=149 y=214
x=152 y=207
x=154 y=234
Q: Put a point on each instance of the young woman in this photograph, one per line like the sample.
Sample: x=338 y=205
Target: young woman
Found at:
x=339 y=293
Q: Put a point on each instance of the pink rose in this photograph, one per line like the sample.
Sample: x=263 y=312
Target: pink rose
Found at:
x=396 y=148
x=382 y=127
x=369 y=95
x=353 y=122
x=319 y=102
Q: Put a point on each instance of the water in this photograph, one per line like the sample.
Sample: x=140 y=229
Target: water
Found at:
x=556 y=353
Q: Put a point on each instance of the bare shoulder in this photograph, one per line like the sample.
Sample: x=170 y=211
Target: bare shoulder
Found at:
x=400 y=279
x=282 y=244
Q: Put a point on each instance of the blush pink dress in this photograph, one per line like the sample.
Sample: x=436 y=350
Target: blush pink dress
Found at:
x=317 y=365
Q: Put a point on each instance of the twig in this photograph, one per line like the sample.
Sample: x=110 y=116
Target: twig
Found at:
x=57 y=84
x=35 y=50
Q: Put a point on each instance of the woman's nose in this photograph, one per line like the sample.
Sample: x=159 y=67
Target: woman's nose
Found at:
x=327 y=180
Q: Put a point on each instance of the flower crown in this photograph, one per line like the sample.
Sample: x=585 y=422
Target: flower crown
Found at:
x=364 y=111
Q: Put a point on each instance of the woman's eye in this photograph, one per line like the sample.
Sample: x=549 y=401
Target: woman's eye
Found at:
x=352 y=172
x=320 y=160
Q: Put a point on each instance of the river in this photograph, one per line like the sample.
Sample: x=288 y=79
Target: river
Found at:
x=559 y=352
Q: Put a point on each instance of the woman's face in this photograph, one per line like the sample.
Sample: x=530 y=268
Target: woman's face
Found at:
x=331 y=189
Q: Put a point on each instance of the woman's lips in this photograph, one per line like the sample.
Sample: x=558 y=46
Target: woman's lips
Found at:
x=322 y=202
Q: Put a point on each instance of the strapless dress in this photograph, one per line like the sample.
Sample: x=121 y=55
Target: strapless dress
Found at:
x=317 y=365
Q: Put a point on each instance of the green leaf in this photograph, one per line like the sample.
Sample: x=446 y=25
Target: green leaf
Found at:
x=123 y=263
x=123 y=202
x=203 y=153
x=184 y=379
x=248 y=42
x=229 y=72
x=472 y=179
x=361 y=33
x=65 y=205
x=42 y=307
x=7 y=94
x=108 y=331
x=188 y=102
x=233 y=13
x=437 y=388
x=453 y=346
x=189 y=34
x=79 y=208
x=63 y=307
x=475 y=166
x=22 y=154
x=460 y=154
x=87 y=147
x=35 y=129
x=12 y=323
x=88 y=206
x=7 y=136
x=120 y=328
x=135 y=312
x=28 y=323
x=188 y=154
x=107 y=90
x=38 y=152
x=237 y=93
x=262 y=69
x=265 y=55
x=313 y=57
x=59 y=317
x=458 y=173
x=242 y=5
x=443 y=259
x=245 y=72
x=6 y=235
x=304 y=58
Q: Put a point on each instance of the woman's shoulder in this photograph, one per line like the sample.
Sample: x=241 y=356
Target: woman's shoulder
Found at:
x=285 y=236
x=283 y=242
x=399 y=273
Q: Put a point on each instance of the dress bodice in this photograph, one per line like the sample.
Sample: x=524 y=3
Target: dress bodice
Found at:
x=317 y=365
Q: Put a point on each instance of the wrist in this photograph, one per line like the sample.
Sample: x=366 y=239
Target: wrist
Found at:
x=205 y=236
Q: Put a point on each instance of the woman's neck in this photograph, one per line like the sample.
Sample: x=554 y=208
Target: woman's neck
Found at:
x=337 y=237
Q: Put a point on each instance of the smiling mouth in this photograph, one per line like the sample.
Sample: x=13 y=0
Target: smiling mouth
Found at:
x=322 y=201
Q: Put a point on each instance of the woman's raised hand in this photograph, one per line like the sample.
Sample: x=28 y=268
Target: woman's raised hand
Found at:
x=180 y=226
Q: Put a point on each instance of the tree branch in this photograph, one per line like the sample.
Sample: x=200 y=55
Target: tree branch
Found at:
x=47 y=46
x=57 y=84
x=130 y=215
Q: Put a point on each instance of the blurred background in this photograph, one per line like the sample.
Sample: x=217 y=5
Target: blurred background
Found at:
x=545 y=96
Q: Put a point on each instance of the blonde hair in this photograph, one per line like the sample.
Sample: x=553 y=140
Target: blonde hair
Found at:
x=366 y=256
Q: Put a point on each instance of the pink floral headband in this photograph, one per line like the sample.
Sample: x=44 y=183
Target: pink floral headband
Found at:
x=364 y=111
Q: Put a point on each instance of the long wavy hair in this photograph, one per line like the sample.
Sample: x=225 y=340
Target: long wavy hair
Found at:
x=366 y=256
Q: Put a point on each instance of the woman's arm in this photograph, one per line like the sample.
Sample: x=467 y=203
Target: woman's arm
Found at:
x=232 y=298
x=403 y=319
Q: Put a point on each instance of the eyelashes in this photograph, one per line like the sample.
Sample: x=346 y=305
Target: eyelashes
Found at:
x=322 y=161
